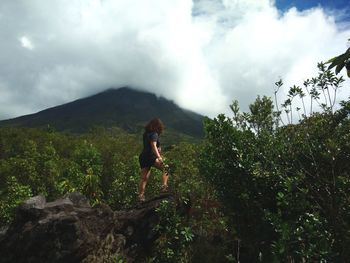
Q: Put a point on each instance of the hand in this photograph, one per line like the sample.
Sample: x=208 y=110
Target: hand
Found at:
x=160 y=159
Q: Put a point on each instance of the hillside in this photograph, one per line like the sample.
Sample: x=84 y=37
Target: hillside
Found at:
x=124 y=108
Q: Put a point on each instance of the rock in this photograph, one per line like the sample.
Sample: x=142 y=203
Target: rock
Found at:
x=38 y=201
x=70 y=230
x=3 y=231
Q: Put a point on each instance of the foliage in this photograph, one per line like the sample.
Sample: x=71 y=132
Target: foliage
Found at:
x=284 y=187
x=205 y=217
x=123 y=191
x=322 y=94
x=340 y=61
x=103 y=164
x=176 y=235
x=10 y=197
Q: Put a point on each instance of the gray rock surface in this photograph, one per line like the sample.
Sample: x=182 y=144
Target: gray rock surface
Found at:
x=70 y=230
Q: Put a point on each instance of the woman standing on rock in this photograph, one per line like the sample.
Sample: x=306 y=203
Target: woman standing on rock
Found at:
x=151 y=156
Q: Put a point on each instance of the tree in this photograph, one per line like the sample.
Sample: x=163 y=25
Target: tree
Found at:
x=285 y=188
x=340 y=61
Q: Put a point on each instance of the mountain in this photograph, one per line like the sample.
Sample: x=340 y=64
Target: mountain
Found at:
x=124 y=108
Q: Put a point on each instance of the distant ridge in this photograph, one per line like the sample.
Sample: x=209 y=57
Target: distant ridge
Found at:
x=125 y=108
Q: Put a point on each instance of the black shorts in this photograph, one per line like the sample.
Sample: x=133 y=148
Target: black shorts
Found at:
x=146 y=160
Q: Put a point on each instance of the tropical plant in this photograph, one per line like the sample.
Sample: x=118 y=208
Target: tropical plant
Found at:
x=284 y=187
x=341 y=61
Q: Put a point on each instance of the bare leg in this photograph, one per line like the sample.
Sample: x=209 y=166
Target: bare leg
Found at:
x=159 y=165
x=144 y=175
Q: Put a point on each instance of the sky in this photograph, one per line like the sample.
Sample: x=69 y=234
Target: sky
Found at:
x=202 y=54
x=306 y=4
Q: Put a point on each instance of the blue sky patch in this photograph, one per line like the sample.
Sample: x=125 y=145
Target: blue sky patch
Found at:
x=306 y=4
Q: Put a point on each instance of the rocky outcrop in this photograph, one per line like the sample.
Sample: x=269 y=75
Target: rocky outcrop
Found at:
x=70 y=230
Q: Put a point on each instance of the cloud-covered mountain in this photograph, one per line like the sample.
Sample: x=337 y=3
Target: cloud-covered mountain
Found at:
x=214 y=51
x=125 y=108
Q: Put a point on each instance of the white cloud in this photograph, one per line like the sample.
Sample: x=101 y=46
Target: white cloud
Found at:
x=26 y=43
x=265 y=45
x=201 y=54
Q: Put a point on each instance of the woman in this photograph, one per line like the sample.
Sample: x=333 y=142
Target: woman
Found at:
x=151 y=156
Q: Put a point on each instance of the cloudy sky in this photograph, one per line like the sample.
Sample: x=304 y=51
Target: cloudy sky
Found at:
x=202 y=53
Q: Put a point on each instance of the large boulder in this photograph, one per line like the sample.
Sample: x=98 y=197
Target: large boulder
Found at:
x=70 y=230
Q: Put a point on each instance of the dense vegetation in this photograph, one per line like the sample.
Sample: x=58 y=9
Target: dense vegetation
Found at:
x=264 y=186
x=286 y=188
x=103 y=165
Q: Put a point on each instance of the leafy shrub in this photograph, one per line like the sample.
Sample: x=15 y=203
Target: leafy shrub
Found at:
x=284 y=187
x=175 y=237
x=10 y=197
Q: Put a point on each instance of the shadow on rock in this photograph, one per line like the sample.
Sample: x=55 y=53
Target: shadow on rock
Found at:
x=70 y=230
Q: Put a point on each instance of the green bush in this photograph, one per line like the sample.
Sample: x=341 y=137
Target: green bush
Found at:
x=11 y=196
x=175 y=236
x=285 y=187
